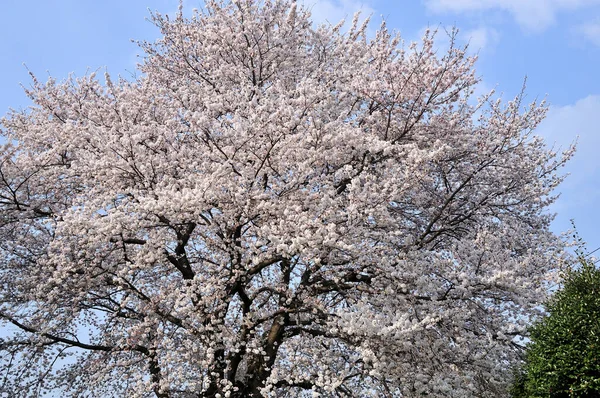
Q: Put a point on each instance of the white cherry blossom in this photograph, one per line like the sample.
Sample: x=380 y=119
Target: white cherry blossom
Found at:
x=272 y=209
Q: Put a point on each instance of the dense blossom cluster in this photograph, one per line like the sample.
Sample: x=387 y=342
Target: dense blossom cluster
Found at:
x=272 y=209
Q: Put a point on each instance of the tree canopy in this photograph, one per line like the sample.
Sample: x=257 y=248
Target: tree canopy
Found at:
x=272 y=208
x=563 y=358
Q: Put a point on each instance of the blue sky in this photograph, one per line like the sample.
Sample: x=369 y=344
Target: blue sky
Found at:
x=555 y=43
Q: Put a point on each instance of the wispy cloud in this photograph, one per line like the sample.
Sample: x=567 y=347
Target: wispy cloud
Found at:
x=481 y=38
x=590 y=32
x=533 y=15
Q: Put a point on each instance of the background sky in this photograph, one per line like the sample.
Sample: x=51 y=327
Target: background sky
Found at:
x=554 y=43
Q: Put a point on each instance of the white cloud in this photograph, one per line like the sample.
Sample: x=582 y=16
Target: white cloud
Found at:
x=534 y=15
x=581 y=190
x=333 y=11
x=582 y=119
x=481 y=38
x=590 y=32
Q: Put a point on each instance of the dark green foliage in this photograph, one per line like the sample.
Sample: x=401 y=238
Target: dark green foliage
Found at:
x=563 y=358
